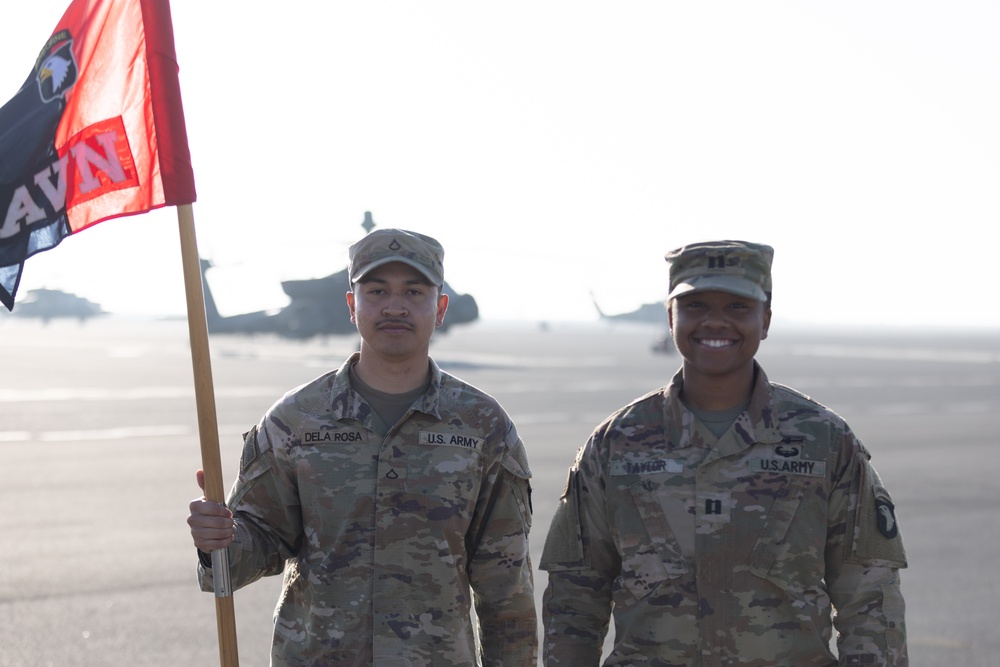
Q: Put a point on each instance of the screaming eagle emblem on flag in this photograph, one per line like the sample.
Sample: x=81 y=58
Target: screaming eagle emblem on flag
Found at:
x=91 y=135
x=56 y=72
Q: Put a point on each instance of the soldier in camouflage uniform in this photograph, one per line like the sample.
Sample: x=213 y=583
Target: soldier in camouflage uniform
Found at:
x=723 y=519
x=392 y=496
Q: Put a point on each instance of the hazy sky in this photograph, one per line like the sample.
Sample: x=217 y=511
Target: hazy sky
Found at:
x=561 y=148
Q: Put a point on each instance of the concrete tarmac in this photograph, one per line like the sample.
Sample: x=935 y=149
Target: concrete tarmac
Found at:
x=99 y=444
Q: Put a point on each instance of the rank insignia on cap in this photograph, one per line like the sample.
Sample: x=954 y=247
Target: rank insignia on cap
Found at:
x=885 y=514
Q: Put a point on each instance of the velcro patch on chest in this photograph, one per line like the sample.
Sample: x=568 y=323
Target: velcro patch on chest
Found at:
x=451 y=439
x=646 y=467
x=335 y=436
x=789 y=467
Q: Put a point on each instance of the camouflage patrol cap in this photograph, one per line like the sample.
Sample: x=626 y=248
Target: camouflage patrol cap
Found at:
x=383 y=246
x=737 y=267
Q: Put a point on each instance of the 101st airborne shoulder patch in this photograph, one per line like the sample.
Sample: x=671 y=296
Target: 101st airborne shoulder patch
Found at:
x=876 y=537
x=885 y=515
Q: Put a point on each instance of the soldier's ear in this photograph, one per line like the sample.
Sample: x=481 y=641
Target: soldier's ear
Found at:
x=442 y=308
x=350 y=305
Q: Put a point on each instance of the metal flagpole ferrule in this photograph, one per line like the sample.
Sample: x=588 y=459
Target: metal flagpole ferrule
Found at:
x=221 y=579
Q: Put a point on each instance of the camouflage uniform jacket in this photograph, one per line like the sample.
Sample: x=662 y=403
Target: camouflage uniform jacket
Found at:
x=381 y=533
x=724 y=551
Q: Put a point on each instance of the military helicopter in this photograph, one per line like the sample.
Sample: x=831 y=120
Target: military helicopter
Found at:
x=317 y=308
x=654 y=313
x=49 y=304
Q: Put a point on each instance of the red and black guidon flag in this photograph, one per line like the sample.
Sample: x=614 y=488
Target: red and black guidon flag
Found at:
x=96 y=131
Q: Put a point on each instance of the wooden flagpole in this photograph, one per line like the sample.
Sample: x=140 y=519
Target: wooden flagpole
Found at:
x=207 y=427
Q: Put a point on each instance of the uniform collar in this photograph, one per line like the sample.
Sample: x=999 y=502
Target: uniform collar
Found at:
x=757 y=424
x=350 y=405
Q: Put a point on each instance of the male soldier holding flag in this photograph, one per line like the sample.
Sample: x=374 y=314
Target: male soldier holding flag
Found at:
x=721 y=519
x=393 y=496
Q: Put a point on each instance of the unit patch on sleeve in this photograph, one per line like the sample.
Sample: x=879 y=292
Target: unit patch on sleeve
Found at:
x=885 y=515
x=249 y=449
